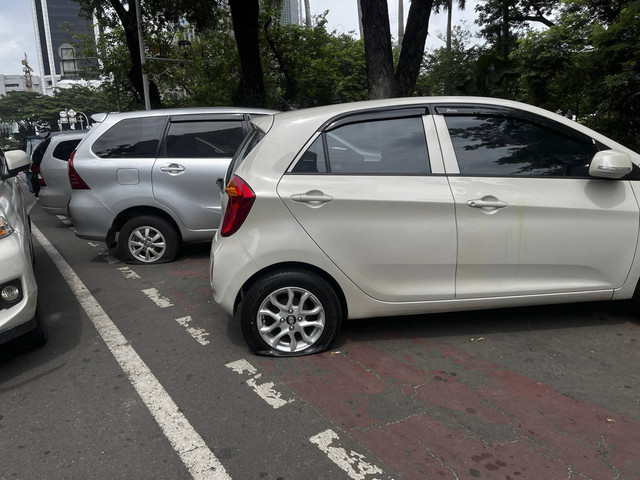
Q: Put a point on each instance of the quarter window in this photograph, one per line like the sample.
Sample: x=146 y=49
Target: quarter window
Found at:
x=204 y=139
x=131 y=138
x=381 y=147
x=63 y=149
x=505 y=146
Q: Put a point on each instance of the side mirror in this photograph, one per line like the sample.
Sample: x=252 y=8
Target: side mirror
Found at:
x=15 y=161
x=610 y=164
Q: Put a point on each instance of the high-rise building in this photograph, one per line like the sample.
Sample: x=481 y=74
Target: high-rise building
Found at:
x=290 y=13
x=55 y=22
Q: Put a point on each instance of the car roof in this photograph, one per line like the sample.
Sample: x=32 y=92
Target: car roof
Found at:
x=189 y=111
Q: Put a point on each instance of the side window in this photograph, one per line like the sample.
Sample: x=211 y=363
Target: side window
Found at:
x=131 y=138
x=247 y=145
x=204 y=139
x=506 y=146
x=313 y=160
x=384 y=147
x=63 y=149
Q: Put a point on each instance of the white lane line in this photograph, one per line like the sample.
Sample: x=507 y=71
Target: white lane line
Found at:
x=265 y=390
x=128 y=273
x=64 y=220
x=188 y=444
x=198 y=333
x=94 y=245
x=155 y=297
x=351 y=462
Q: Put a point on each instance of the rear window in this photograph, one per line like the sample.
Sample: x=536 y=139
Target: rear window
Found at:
x=38 y=152
x=63 y=149
x=131 y=138
x=247 y=145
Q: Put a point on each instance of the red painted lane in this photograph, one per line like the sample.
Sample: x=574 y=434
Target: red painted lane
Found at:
x=482 y=422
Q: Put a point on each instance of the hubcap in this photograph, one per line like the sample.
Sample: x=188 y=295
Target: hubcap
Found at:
x=291 y=319
x=147 y=244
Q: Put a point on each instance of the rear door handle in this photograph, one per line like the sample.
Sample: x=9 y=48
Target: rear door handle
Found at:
x=173 y=168
x=313 y=197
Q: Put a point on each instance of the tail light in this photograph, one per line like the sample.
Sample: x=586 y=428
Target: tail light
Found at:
x=241 y=199
x=76 y=181
x=35 y=169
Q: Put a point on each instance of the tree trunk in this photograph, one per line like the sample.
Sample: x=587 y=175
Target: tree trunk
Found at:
x=449 y=18
x=244 y=15
x=505 y=30
x=415 y=37
x=377 y=48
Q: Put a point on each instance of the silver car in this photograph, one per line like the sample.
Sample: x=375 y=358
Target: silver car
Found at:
x=146 y=181
x=410 y=206
x=19 y=315
x=51 y=161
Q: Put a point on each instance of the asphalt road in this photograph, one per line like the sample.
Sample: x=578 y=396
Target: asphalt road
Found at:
x=144 y=377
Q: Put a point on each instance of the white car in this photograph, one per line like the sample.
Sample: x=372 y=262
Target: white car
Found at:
x=417 y=205
x=18 y=290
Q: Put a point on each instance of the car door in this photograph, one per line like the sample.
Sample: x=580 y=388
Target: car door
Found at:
x=373 y=197
x=197 y=151
x=530 y=220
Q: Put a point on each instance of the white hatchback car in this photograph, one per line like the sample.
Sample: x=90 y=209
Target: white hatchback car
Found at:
x=417 y=205
x=18 y=290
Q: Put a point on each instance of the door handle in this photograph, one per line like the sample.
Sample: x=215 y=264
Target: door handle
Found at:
x=173 y=168
x=480 y=203
x=313 y=197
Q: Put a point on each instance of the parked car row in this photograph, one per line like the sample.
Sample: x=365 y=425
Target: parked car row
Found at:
x=381 y=208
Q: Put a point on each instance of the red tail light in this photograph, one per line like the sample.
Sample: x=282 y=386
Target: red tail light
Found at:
x=35 y=169
x=241 y=199
x=74 y=179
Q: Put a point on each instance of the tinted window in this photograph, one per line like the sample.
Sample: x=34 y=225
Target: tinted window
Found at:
x=204 y=139
x=63 y=149
x=501 y=146
x=313 y=160
x=131 y=138
x=38 y=152
x=389 y=147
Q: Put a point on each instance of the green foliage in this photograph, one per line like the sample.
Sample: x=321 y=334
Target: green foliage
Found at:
x=308 y=67
x=28 y=108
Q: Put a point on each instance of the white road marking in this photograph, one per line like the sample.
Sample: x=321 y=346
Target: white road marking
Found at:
x=351 y=462
x=198 y=333
x=189 y=445
x=265 y=390
x=94 y=245
x=154 y=295
x=64 y=220
x=110 y=259
x=128 y=273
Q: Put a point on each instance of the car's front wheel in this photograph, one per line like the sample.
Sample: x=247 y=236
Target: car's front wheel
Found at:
x=290 y=313
x=147 y=239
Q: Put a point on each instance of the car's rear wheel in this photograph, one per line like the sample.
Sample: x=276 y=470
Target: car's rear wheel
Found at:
x=290 y=313
x=148 y=239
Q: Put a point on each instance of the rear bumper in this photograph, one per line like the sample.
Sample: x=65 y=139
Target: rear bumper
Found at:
x=91 y=219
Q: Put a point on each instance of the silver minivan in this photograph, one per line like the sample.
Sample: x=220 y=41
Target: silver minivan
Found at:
x=146 y=181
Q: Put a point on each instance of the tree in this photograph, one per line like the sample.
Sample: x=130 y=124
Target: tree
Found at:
x=383 y=82
x=501 y=19
x=448 y=6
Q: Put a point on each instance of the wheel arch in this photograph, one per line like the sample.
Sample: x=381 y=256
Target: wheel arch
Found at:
x=132 y=212
x=302 y=266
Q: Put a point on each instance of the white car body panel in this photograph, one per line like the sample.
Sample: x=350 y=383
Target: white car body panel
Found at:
x=512 y=257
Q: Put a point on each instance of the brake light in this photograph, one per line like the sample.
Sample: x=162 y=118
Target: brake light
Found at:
x=76 y=181
x=36 y=170
x=241 y=199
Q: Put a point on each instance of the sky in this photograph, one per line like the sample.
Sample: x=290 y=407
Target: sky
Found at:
x=18 y=37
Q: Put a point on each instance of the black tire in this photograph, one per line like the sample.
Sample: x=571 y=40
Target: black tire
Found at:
x=148 y=239
x=295 y=328
x=39 y=335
